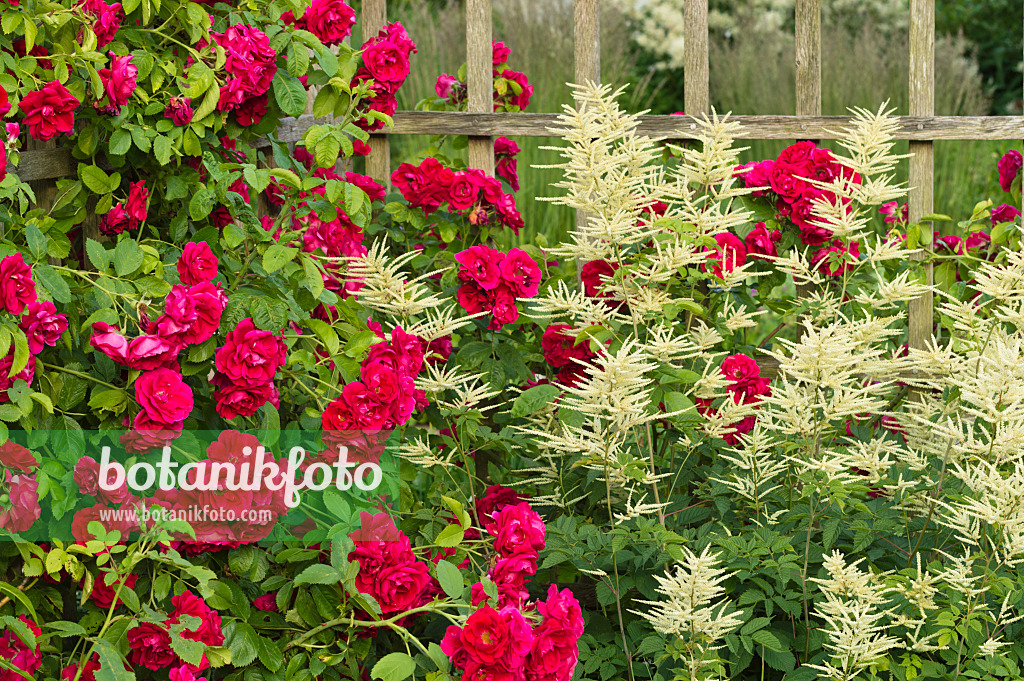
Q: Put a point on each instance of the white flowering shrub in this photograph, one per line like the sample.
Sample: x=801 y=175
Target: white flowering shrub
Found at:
x=761 y=484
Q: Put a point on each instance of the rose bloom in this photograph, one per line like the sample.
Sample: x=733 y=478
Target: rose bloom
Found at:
x=18 y=654
x=150 y=646
x=1009 y=167
x=329 y=20
x=147 y=434
x=49 y=111
x=761 y=242
x=249 y=57
x=114 y=221
x=266 y=602
x=250 y=356
x=252 y=110
x=522 y=100
x=502 y=303
x=464 y=190
x=107 y=340
x=443 y=86
x=373 y=189
x=148 y=352
x=191 y=315
x=88 y=673
x=6 y=381
x=847 y=258
x=17 y=289
x=164 y=396
x=481 y=265
x=561 y=349
x=385 y=61
x=102 y=594
x=495 y=638
x=138 y=197
x=235 y=400
x=208 y=631
x=495 y=499
x=516 y=526
x=594 y=275
x=521 y=273
x=42 y=325
x=505 y=207
x=197 y=263
x=179 y=110
x=1004 y=213
x=108 y=19
x=22 y=507
x=730 y=254
x=119 y=83
x=740 y=369
x=977 y=240
x=17 y=458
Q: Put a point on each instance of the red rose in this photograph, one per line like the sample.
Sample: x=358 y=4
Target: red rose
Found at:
x=502 y=302
x=42 y=325
x=506 y=209
x=560 y=348
x=87 y=475
x=21 y=509
x=191 y=315
x=521 y=100
x=266 y=602
x=496 y=639
x=374 y=190
x=472 y=298
x=179 y=110
x=119 y=83
x=150 y=646
x=88 y=673
x=150 y=352
x=250 y=356
x=17 y=289
x=500 y=53
x=7 y=381
x=464 y=190
x=838 y=258
x=451 y=645
x=495 y=499
x=250 y=60
x=1009 y=167
x=445 y=85
x=385 y=61
x=102 y=594
x=252 y=110
x=762 y=242
x=15 y=651
x=208 y=631
x=555 y=651
x=164 y=396
x=197 y=263
x=49 y=111
x=595 y=275
x=404 y=353
x=147 y=434
x=107 y=19
x=329 y=20
x=438 y=350
x=401 y=587
x=740 y=369
x=235 y=400
x=481 y=264
x=107 y=340
x=115 y=221
x=977 y=240
x=1004 y=213
x=17 y=458
x=390 y=388
x=516 y=526
x=521 y=273
x=730 y=254
x=138 y=198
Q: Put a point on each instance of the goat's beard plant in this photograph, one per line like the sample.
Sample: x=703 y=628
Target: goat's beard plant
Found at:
x=862 y=506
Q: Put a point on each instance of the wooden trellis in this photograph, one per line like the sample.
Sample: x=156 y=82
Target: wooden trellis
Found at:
x=921 y=127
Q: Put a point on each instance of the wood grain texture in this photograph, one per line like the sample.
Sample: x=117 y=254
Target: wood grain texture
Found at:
x=480 y=79
x=378 y=161
x=47 y=164
x=696 y=73
x=808 y=57
x=922 y=163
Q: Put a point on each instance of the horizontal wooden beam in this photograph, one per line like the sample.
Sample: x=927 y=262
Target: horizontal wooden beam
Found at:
x=685 y=127
x=52 y=163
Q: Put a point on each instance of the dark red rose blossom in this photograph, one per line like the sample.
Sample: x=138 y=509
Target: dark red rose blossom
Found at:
x=17 y=458
x=102 y=594
x=197 y=263
x=115 y=221
x=329 y=20
x=249 y=355
x=179 y=110
x=17 y=289
x=150 y=646
x=49 y=111
x=1009 y=167
x=42 y=325
x=164 y=396
x=137 y=204
x=119 y=83
x=21 y=510
x=761 y=242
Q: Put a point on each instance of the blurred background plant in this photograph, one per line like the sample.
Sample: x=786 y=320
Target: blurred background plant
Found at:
x=864 y=62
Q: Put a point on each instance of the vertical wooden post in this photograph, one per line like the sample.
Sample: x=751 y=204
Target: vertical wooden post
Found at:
x=378 y=162
x=808 y=57
x=586 y=51
x=696 y=76
x=922 y=103
x=480 y=78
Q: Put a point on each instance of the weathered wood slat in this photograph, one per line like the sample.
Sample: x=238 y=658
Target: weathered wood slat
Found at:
x=587 y=56
x=696 y=72
x=922 y=167
x=480 y=79
x=808 y=57
x=378 y=162
x=46 y=164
